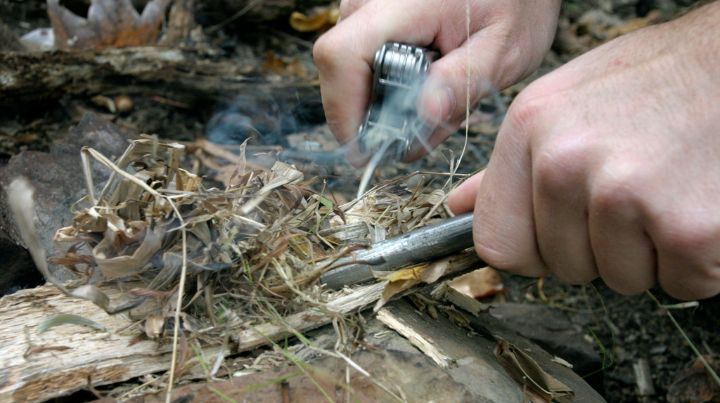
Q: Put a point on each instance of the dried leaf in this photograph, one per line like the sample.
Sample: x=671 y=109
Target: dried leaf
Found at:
x=322 y=18
x=86 y=222
x=404 y=279
x=187 y=181
x=68 y=319
x=275 y=65
x=526 y=371
x=694 y=383
x=154 y=325
x=283 y=174
x=411 y=273
x=480 y=283
x=109 y=23
x=126 y=265
x=634 y=24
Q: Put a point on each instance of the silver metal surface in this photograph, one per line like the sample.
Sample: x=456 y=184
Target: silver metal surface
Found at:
x=399 y=72
x=422 y=245
x=392 y=122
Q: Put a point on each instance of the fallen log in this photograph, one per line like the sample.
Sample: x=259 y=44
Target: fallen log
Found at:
x=395 y=370
x=254 y=10
x=469 y=356
x=65 y=359
x=185 y=75
x=39 y=366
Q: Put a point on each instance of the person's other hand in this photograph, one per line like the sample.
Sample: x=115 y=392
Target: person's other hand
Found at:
x=610 y=167
x=508 y=41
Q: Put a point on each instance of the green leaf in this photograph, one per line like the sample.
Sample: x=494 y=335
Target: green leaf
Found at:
x=326 y=202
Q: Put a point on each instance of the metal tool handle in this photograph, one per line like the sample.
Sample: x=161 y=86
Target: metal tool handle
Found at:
x=422 y=245
x=399 y=70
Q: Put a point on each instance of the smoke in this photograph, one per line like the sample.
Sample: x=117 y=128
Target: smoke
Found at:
x=394 y=129
x=391 y=130
x=264 y=119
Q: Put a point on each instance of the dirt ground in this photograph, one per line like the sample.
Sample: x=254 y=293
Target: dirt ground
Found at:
x=625 y=329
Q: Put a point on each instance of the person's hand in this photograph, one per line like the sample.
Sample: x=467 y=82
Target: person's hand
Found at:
x=610 y=167
x=508 y=41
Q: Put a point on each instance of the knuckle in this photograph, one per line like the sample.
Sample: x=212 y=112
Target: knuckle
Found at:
x=560 y=164
x=325 y=51
x=537 y=100
x=526 y=109
x=689 y=236
x=616 y=187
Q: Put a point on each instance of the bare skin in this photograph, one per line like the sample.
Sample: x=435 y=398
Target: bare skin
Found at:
x=508 y=41
x=610 y=167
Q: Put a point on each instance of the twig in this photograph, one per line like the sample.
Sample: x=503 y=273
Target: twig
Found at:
x=684 y=335
x=178 y=307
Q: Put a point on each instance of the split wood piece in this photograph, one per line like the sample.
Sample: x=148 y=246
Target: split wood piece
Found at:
x=469 y=355
x=394 y=366
x=184 y=75
x=35 y=367
x=428 y=347
x=69 y=358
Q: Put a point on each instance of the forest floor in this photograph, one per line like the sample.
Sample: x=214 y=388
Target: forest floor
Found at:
x=625 y=330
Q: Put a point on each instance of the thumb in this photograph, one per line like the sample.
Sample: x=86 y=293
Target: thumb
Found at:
x=462 y=198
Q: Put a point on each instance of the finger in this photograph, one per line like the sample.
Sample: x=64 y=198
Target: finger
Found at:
x=465 y=73
x=462 y=198
x=674 y=279
x=560 y=210
x=457 y=81
x=688 y=256
x=624 y=254
x=422 y=145
x=503 y=224
x=344 y=56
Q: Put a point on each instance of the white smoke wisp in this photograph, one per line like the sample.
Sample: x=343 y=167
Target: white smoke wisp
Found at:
x=394 y=129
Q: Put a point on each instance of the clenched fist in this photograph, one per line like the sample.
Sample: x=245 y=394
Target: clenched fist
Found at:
x=610 y=167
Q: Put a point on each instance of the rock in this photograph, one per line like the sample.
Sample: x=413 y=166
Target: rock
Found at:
x=553 y=330
x=39 y=40
x=58 y=180
x=694 y=384
x=18 y=270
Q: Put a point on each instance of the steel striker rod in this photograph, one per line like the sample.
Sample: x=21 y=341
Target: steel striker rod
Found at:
x=425 y=244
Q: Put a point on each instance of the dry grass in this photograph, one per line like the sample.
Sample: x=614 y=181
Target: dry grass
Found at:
x=201 y=257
